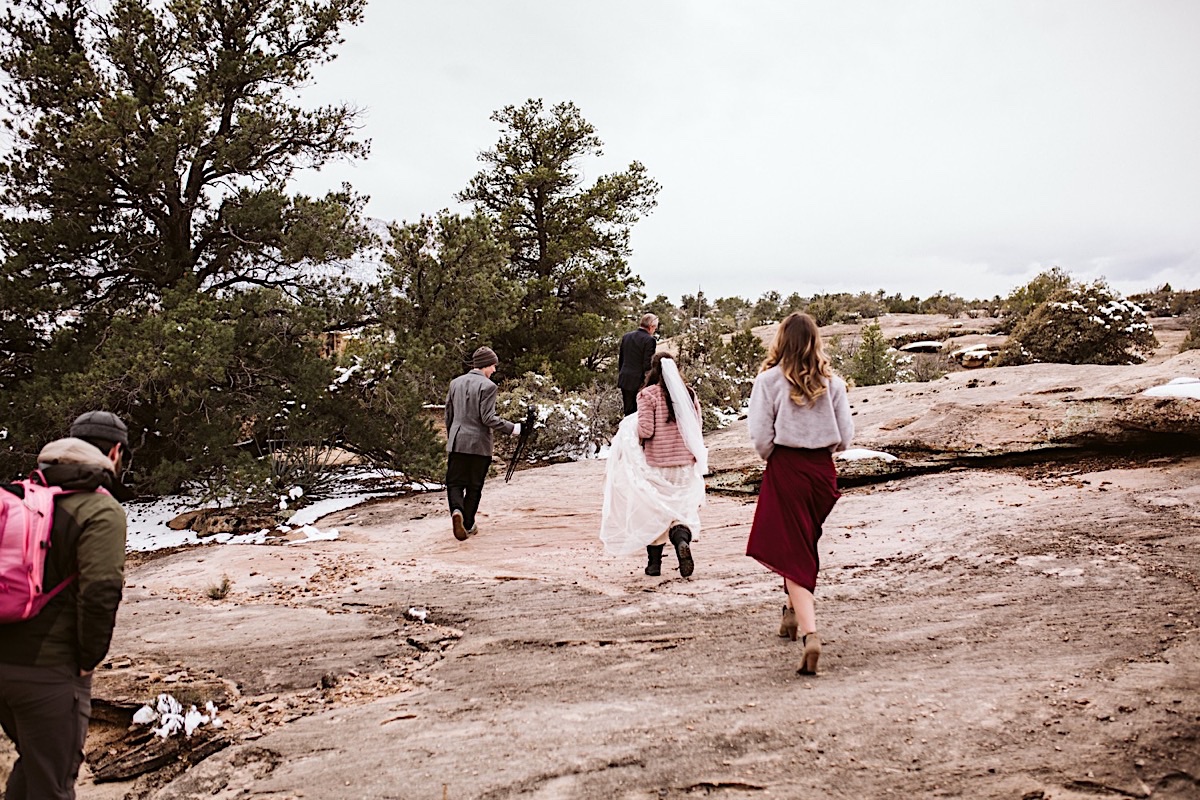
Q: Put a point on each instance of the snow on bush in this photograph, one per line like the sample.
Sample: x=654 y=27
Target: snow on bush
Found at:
x=569 y=425
x=1082 y=324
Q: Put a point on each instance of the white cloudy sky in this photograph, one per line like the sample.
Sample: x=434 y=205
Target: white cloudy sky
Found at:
x=817 y=146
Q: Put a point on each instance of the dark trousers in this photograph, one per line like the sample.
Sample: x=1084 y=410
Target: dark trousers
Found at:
x=45 y=711
x=465 y=474
x=629 y=400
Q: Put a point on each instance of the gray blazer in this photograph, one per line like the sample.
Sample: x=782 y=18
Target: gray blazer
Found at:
x=471 y=415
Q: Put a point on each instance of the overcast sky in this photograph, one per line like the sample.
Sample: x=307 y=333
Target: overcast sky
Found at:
x=957 y=145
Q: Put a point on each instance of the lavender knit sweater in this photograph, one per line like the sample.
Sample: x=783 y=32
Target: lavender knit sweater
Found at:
x=776 y=420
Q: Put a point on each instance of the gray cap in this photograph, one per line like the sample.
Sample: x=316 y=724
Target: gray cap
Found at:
x=103 y=425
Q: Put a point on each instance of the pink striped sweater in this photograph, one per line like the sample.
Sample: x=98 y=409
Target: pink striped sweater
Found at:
x=661 y=440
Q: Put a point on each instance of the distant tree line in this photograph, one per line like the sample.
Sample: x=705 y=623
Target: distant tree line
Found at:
x=729 y=314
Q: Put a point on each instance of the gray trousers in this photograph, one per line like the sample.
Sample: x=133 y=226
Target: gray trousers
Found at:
x=45 y=711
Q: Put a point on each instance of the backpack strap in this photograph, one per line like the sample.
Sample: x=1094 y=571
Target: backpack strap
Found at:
x=46 y=597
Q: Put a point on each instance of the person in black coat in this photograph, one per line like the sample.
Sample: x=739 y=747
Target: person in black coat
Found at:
x=637 y=348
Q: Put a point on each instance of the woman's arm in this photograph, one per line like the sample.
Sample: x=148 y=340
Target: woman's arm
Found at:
x=761 y=420
x=841 y=412
x=646 y=406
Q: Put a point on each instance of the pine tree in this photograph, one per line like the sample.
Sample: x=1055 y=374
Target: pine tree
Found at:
x=872 y=362
x=568 y=242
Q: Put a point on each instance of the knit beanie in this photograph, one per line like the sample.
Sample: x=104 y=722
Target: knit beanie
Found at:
x=103 y=425
x=484 y=357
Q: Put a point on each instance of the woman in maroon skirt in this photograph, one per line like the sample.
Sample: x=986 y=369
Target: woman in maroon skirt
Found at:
x=799 y=417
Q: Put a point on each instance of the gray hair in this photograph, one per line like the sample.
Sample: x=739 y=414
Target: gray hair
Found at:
x=649 y=320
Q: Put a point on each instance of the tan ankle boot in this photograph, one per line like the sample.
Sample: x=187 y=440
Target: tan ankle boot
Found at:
x=812 y=652
x=788 y=627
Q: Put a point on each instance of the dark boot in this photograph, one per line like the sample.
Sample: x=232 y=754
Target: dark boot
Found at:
x=681 y=537
x=654 y=559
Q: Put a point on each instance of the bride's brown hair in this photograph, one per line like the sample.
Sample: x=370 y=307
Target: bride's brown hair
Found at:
x=798 y=352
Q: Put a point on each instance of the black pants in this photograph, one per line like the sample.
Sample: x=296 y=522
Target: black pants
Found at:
x=465 y=474
x=629 y=400
x=45 y=711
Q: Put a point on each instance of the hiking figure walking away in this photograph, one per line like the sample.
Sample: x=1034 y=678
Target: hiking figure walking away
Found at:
x=654 y=483
x=46 y=661
x=633 y=361
x=470 y=419
x=799 y=417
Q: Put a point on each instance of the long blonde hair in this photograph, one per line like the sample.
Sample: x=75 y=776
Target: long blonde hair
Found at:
x=798 y=351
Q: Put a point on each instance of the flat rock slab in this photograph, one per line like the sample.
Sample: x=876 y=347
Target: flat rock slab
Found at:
x=989 y=634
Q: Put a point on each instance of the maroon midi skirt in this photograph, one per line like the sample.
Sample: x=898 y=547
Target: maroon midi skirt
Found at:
x=798 y=491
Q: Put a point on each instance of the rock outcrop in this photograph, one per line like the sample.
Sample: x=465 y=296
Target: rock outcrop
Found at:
x=998 y=412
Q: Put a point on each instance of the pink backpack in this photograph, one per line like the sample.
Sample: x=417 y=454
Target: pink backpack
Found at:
x=25 y=526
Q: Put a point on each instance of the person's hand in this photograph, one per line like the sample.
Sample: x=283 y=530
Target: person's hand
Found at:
x=516 y=431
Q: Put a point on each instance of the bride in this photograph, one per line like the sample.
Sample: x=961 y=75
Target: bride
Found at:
x=654 y=486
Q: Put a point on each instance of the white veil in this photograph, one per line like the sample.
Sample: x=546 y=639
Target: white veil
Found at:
x=685 y=414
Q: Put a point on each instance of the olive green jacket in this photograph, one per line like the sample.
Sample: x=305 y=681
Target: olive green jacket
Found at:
x=88 y=538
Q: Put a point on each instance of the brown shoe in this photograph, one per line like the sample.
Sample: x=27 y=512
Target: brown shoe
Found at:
x=812 y=652
x=788 y=627
x=460 y=530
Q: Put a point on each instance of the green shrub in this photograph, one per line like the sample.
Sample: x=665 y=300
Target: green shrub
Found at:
x=867 y=361
x=721 y=374
x=1082 y=324
x=569 y=425
x=1021 y=302
x=1167 y=302
x=922 y=367
x=1192 y=341
x=219 y=591
x=824 y=310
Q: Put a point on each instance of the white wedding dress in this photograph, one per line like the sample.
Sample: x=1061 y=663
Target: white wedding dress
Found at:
x=640 y=501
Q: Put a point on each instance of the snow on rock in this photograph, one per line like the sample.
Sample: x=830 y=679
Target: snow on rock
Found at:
x=858 y=453
x=1178 y=387
x=922 y=347
x=148 y=528
x=312 y=534
x=171 y=718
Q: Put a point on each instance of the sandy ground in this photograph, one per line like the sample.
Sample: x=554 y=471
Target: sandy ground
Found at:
x=1016 y=634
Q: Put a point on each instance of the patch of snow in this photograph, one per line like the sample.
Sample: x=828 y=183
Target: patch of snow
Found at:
x=147 y=520
x=1178 y=387
x=974 y=348
x=312 y=534
x=921 y=347
x=858 y=453
x=171 y=718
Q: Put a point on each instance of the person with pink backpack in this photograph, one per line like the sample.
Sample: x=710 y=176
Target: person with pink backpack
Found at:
x=62 y=562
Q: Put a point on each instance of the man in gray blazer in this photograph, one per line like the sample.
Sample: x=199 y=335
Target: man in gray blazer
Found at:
x=470 y=419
